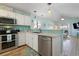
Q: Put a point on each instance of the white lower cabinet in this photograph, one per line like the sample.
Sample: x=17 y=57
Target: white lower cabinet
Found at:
x=29 y=39
x=35 y=42
x=56 y=46
x=32 y=40
x=21 y=38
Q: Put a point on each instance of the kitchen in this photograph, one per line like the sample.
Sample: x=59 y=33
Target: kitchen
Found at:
x=39 y=31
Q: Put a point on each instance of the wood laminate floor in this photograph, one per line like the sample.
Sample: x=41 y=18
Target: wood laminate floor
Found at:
x=20 y=51
x=15 y=52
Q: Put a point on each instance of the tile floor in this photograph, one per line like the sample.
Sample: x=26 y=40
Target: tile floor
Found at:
x=30 y=52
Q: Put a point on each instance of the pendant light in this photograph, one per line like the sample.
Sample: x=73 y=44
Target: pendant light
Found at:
x=35 y=13
x=62 y=19
x=49 y=8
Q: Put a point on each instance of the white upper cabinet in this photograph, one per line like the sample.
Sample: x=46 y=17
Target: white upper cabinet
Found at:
x=23 y=19
x=3 y=13
x=6 y=13
x=20 y=19
x=27 y=20
x=11 y=14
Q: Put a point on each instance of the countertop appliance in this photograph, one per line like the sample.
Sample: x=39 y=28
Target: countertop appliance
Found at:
x=45 y=45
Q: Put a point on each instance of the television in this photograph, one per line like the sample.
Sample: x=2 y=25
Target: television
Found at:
x=76 y=25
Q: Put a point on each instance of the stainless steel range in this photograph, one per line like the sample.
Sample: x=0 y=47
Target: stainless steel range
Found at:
x=8 y=36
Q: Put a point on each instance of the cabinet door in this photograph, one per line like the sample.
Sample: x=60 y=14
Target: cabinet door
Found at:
x=3 y=13
x=35 y=42
x=20 y=20
x=11 y=14
x=57 y=46
x=6 y=13
x=21 y=38
x=27 y=20
x=32 y=40
x=29 y=39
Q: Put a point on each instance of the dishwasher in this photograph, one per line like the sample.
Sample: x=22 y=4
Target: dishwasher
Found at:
x=45 y=45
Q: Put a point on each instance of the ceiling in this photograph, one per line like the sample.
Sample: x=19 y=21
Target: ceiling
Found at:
x=58 y=10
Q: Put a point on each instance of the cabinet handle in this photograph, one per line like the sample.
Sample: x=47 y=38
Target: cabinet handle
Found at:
x=6 y=41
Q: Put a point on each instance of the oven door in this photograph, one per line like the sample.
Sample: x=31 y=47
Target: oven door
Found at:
x=8 y=41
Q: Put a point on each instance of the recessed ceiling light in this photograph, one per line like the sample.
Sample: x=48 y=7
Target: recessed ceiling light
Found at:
x=62 y=18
